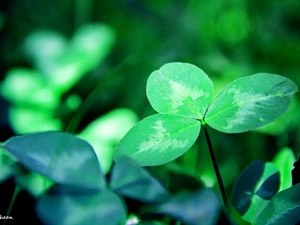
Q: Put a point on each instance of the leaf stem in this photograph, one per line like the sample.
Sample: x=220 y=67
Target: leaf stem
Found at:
x=232 y=214
x=216 y=168
x=13 y=199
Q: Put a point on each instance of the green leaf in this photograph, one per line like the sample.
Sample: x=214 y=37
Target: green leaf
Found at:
x=130 y=180
x=94 y=41
x=88 y=48
x=284 y=161
x=42 y=45
x=77 y=208
x=59 y=156
x=180 y=88
x=284 y=208
x=28 y=120
x=65 y=63
x=110 y=127
x=34 y=183
x=285 y=122
x=132 y=220
x=151 y=223
x=8 y=166
x=250 y=102
x=193 y=208
x=104 y=133
x=257 y=184
x=182 y=180
x=158 y=139
x=28 y=87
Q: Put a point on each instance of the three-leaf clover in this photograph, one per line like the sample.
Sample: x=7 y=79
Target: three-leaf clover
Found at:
x=182 y=93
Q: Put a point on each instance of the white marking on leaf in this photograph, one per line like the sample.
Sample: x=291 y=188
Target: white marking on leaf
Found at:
x=246 y=107
x=180 y=92
x=160 y=139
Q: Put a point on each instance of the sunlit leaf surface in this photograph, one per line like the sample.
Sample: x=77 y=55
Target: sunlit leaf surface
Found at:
x=104 y=132
x=158 y=139
x=284 y=161
x=25 y=120
x=28 y=87
x=34 y=183
x=250 y=102
x=181 y=89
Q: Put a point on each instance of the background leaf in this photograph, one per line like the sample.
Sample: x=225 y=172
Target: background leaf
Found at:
x=130 y=180
x=250 y=102
x=284 y=160
x=34 y=183
x=29 y=88
x=89 y=46
x=181 y=180
x=284 y=208
x=77 y=208
x=39 y=120
x=180 y=88
x=94 y=41
x=106 y=131
x=285 y=122
x=257 y=184
x=158 y=139
x=60 y=156
x=8 y=166
x=42 y=45
x=193 y=208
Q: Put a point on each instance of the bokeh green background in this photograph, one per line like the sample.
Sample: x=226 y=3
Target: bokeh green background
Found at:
x=228 y=39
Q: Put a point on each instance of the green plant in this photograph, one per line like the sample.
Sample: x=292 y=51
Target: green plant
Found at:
x=78 y=193
x=37 y=94
x=182 y=95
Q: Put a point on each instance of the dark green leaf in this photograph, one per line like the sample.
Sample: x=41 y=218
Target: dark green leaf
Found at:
x=197 y=208
x=130 y=180
x=60 y=156
x=79 y=208
x=284 y=208
x=270 y=187
x=257 y=184
x=181 y=180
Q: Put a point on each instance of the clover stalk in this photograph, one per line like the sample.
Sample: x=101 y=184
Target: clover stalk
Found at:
x=229 y=210
x=215 y=164
x=11 y=204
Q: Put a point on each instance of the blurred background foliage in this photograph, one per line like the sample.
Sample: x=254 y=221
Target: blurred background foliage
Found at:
x=82 y=65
